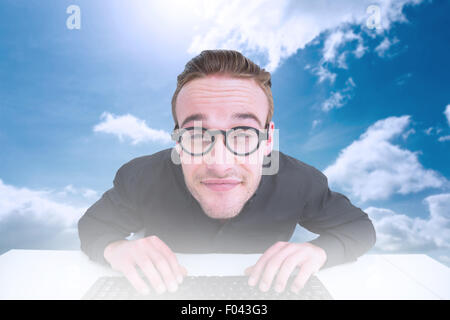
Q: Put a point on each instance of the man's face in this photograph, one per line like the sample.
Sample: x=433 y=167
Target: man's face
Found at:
x=220 y=181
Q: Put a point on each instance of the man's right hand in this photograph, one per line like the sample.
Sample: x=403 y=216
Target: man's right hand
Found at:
x=156 y=260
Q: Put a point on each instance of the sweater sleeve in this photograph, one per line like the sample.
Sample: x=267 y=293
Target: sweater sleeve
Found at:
x=345 y=231
x=113 y=217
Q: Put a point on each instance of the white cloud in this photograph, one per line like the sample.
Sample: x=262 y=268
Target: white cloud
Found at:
x=382 y=48
x=428 y=131
x=360 y=50
x=324 y=74
x=339 y=98
x=334 y=41
x=84 y=192
x=336 y=100
x=39 y=218
x=444 y=138
x=325 y=138
x=130 y=127
x=331 y=54
x=89 y=193
x=373 y=168
x=408 y=133
x=315 y=123
x=398 y=232
x=439 y=130
x=278 y=29
x=337 y=40
x=444 y=259
x=37 y=205
x=447 y=113
x=69 y=189
x=401 y=80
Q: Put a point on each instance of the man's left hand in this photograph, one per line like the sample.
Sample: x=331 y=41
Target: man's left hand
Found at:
x=280 y=260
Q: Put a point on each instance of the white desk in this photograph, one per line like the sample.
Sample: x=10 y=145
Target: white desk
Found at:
x=48 y=274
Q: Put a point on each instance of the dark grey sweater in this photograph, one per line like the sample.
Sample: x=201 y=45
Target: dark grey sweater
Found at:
x=149 y=193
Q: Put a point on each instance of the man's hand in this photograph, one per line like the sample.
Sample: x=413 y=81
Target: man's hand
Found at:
x=156 y=260
x=280 y=260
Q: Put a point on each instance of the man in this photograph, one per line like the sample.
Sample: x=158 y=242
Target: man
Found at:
x=218 y=199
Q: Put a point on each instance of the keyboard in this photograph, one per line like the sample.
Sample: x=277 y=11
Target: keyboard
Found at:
x=205 y=288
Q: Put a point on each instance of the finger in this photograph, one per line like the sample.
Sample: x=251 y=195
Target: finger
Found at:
x=150 y=272
x=306 y=270
x=273 y=265
x=136 y=281
x=171 y=258
x=248 y=270
x=164 y=269
x=258 y=268
x=288 y=266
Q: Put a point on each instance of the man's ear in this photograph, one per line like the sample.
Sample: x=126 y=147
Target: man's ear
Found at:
x=269 y=142
x=178 y=148
x=176 y=154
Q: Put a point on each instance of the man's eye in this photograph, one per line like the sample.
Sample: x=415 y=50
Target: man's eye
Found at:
x=201 y=137
x=244 y=135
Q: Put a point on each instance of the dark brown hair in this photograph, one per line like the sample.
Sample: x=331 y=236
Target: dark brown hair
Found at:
x=227 y=62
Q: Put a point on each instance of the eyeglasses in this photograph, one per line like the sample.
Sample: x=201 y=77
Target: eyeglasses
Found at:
x=241 y=140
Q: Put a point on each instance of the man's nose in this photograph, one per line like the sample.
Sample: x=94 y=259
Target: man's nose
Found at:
x=219 y=156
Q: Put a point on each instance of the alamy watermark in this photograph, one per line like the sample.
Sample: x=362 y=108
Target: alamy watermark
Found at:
x=74 y=20
x=374 y=19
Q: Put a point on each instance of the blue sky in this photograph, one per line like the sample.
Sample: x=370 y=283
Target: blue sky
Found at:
x=367 y=106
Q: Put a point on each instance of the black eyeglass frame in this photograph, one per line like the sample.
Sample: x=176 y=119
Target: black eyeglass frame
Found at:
x=178 y=132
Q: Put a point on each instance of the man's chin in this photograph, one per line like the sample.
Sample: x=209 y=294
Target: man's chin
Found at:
x=220 y=205
x=221 y=213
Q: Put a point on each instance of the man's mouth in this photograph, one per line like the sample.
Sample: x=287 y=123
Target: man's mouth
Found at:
x=221 y=184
